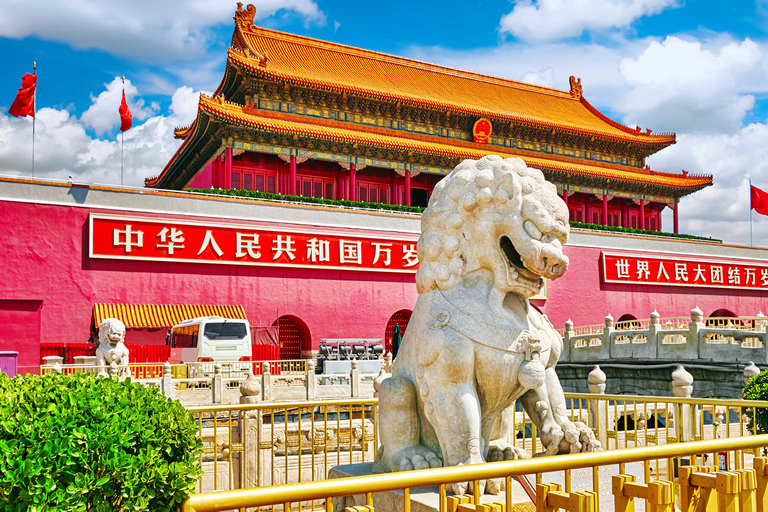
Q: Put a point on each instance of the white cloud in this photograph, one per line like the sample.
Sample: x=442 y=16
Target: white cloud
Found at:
x=688 y=85
x=537 y=21
x=142 y=29
x=63 y=146
x=701 y=89
x=103 y=113
x=721 y=211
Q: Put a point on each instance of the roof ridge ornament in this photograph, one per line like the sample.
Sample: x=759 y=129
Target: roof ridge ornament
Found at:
x=245 y=16
x=576 y=90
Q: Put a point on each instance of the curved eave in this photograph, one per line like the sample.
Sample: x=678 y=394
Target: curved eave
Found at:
x=232 y=114
x=245 y=63
x=178 y=170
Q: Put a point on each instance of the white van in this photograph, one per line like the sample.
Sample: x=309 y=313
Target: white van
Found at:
x=211 y=339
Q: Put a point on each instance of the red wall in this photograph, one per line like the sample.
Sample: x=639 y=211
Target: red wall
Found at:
x=582 y=296
x=45 y=257
x=44 y=260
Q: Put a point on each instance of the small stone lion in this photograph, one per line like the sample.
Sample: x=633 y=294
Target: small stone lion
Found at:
x=493 y=230
x=111 y=347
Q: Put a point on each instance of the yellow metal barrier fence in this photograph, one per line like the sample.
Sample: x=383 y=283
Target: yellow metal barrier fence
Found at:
x=584 y=500
x=301 y=441
x=281 y=443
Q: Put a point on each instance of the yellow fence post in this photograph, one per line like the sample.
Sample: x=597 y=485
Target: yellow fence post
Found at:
x=748 y=491
x=453 y=502
x=542 y=496
x=659 y=496
x=622 y=502
x=761 y=474
x=728 y=486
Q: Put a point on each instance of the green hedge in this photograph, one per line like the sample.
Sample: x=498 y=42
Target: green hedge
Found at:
x=80 y=443
x=418 y=209
x=315 y=200
x=599 y=227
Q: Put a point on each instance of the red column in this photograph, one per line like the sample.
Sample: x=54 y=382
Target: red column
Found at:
x=228 y=168
x=408 y=188
x=352 y=182
x=642 y=214
x=565 y=196
x=677 y=205
x=623 y=214
x=605 y=209
x=292 y=177
x=215 y=173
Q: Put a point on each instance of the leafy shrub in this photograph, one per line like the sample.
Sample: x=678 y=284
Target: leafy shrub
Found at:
x=80 y=442
x=757 y=389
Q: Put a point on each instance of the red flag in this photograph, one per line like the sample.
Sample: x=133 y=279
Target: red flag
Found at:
x=759 y=200
x=126 y=119
x=24 y=104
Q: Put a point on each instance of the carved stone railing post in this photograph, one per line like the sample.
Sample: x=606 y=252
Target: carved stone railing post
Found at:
x=653 y=333
x=567 y=340
x=598 y=411
x=751 y=370
x=309 y=379
x=388 y=362
x=166 y=382
x=266 y=382
x=217 y=384
x=761 y=323
x=53 y=361
x=685 y=417
x=694 y=329
x=377 y=383
x=607 y=334
x=250 y=389
x=354 y=380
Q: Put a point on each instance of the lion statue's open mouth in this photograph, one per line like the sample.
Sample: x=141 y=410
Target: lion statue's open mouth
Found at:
x=516 y=262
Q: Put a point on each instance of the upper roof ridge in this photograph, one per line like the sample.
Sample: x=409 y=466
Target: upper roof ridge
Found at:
x=259 y=31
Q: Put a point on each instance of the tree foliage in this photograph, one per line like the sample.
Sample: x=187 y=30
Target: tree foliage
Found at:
x=757 y=389
x=80 y=442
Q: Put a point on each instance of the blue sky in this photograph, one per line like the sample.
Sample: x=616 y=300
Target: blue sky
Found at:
x=697 y=68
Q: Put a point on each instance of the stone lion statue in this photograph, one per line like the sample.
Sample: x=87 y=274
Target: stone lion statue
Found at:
x=111 y=347
x=493 y=229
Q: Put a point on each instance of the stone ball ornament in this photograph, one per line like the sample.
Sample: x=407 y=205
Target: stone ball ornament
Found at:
x=493 y=231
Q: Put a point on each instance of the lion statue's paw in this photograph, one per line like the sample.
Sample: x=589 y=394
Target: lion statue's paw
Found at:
x=501 y=450
x=459 y=488
x=570 y=437
x=416 y=457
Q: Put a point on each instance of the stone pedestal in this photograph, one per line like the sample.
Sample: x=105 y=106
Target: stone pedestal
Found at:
x=425 y=499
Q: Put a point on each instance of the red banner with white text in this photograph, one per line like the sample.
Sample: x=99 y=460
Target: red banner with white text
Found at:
x=682 y=271
x=151 y=239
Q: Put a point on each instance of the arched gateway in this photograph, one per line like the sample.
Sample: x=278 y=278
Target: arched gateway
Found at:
x=293 y=335
x=400 y=318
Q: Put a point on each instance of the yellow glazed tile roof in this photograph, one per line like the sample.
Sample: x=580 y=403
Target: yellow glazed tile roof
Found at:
x=339 y=67
x=157 y=316
x=237 y=114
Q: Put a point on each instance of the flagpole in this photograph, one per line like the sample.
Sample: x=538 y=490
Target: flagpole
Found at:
x=34 y=116
x=750 y=211
x=122 y=142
